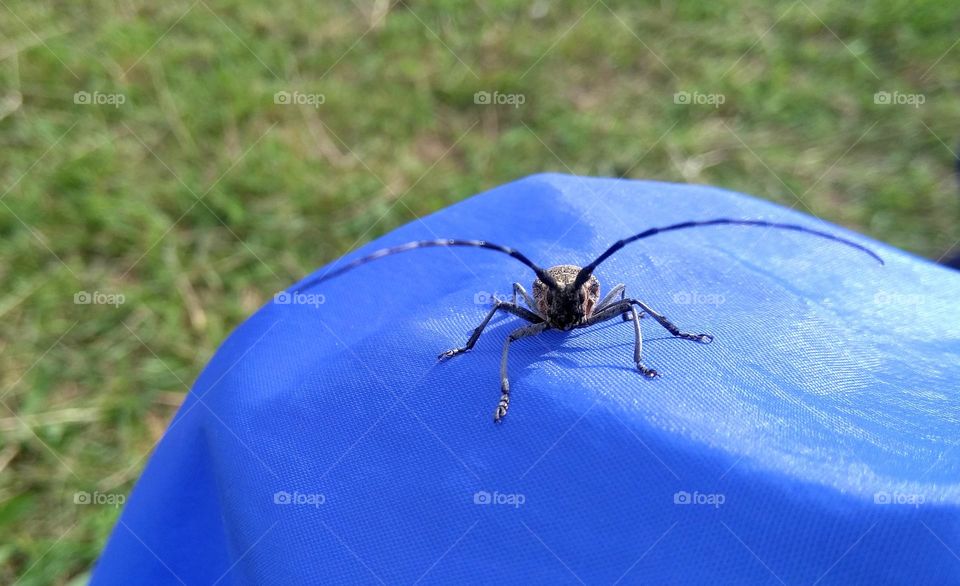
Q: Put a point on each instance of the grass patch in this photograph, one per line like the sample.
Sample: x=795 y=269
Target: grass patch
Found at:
x=198 y=197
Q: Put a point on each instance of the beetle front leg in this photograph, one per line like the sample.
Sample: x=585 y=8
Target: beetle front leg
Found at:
x=515 y=335
x=497 y=306
x=608 y=300
x=518 y=288
x=625 y=309
x=638 y=347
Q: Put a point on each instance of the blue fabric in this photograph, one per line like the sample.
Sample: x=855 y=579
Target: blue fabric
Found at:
x=813 y=440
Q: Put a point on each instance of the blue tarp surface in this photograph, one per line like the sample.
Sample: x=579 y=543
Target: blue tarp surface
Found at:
x=813 y=442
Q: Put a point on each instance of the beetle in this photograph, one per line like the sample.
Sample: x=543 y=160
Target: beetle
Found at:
x=567 y=297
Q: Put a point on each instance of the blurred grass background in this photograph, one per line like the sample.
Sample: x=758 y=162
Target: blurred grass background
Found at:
x=199 y=196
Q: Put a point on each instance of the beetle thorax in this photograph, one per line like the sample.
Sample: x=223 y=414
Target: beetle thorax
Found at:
x=567 y=307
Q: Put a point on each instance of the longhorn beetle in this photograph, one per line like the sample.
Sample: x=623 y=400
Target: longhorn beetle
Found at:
x=567 y=297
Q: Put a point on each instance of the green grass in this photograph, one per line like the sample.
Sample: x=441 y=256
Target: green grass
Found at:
x=103 y=198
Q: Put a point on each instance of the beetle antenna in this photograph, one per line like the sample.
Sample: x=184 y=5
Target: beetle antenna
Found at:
x=584 y=275
x=541 y=273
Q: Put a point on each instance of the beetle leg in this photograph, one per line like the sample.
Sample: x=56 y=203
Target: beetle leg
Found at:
x=608 y=300
x=673 y=329
x=499 y=305
x=638 y=346
x=518 y=288
x=625 y=309
x=515 y=335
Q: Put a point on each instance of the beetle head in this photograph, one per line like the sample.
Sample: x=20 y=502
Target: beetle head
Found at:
x=568 y=304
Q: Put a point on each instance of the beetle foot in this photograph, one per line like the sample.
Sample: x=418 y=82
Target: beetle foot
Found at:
x=450 y=353
x=502 y=408
x=647 y=372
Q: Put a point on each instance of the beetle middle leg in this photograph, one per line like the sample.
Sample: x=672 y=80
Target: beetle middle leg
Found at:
x=670 y=327
x=515 y=335
x=497 y=306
